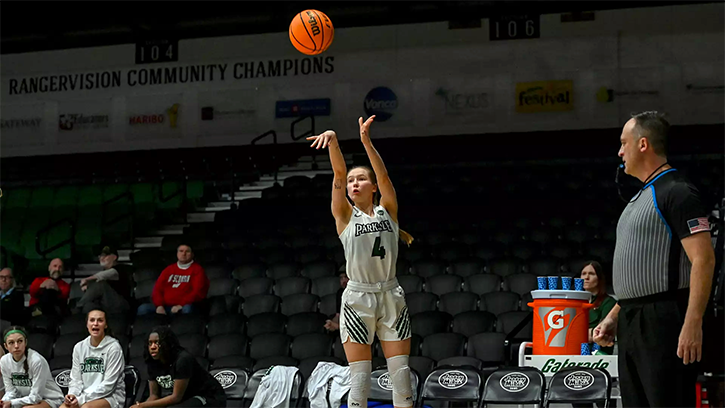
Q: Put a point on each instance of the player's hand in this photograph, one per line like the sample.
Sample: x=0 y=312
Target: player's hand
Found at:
x=689 y=348
x=322 y=140
x=6 y=404
x=365 y=128
x=605 y=331
x=71 y=399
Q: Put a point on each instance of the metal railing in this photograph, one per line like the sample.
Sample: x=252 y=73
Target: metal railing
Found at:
x=70 y=241
x=130 y=214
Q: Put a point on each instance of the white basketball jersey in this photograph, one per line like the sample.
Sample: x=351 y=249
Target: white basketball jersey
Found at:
x=371 y=246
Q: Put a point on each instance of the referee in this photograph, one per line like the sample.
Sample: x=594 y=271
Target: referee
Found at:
x=662 y=272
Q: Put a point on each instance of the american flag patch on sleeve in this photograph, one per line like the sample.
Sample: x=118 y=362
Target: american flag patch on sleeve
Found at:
x=698 y=225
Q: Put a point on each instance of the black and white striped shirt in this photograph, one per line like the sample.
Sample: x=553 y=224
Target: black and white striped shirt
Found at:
x=648 y=256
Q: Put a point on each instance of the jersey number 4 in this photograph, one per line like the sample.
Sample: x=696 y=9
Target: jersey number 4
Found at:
x=378 y=250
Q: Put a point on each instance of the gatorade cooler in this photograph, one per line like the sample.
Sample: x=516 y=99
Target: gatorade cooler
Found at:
x=561 y=321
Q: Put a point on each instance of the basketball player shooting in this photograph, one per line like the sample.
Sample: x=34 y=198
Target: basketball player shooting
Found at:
x=373 y=302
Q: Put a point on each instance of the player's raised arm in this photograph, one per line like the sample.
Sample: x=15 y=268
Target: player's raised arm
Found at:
x=341 y=208
x=388 y=198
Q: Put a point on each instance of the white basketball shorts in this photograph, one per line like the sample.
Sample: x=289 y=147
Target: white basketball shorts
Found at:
x=379 y=308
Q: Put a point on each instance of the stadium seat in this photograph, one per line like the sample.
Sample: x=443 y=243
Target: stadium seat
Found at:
x=504 y=267
x=142 y=325
x=489 y=251
x=418 y=302
x=237 y=361
x=282 y=270
x=188 y=323
x=249 y=270
x=459 y=361
x=454 y=303
x=487 y=347
x=453 y=384
x=438 y=346
x=543 y=266
x=194 y=343
x=482 y=283
x=442 y=284
x=451 y=251
x=227 y=345
x=298 y=303
x=63 y=345
x=508 y=321
x=473 y=322
x=73 y=324
x=309 y=322
x=324 y=286
x=514 y=386
x=143 y=291
x=218 y=271
x=267 y=322
x=234 y=381
x=500 y=302
x=310 y=345
x=520 y=283
x=422 y=365
x=319 y=269
x=328 y=305
x=467 y=267
x=269 y=345
x=226 y=324
x=222 y=287
x=411 y=283
x=427 y=323
x=43 y=344
x=599 y=390
x=264 y=303
x=290 y=286
x=255 y=286
x=428 y=268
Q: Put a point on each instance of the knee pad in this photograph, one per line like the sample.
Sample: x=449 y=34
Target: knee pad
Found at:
x=359 y=383
x=400 y=377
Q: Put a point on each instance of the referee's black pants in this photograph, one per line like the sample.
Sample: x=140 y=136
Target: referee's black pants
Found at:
x=650 y=373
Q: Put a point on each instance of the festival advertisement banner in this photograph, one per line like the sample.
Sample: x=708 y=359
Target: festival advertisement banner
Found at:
x=85 y=121
x=151 y=117
x=23 y=125
x=227 y=113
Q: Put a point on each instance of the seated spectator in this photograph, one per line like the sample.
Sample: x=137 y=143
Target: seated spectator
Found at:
x=333 y=324
x=175 y=377
x=96 y=378
x=106 y=288
x=12 y=303
x=26 y=374
x=596 y=282
x=49 y=294
x=179 y=287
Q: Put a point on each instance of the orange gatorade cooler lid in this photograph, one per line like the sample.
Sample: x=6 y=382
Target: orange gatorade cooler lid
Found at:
x=562 y=294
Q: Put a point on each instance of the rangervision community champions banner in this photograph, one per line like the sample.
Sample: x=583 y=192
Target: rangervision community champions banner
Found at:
x=139 y=77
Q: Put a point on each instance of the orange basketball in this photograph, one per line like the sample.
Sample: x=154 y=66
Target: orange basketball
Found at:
x=311 y=32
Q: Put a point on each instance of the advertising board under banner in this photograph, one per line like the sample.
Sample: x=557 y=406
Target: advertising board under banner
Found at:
x=303 y=107
x=544 y=96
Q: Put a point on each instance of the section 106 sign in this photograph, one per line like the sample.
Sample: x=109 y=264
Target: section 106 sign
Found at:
x=513 y=27
x=162 y=50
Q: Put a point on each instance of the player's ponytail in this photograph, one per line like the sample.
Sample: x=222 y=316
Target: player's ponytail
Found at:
x=405 y=236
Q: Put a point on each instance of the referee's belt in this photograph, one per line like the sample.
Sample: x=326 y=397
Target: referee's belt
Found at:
x=373 y=287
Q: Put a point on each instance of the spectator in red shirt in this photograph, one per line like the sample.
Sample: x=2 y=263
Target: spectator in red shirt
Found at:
x=49 y=294
x=180 y=286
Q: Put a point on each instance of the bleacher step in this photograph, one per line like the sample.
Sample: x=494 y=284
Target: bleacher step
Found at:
x=147 y=240
x=242 y=195
x=257 y=186
x=283 y=175
x=177 y=229
x=197 y=217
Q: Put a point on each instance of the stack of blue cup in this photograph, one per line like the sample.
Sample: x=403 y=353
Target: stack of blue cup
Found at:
x=541 y=282
x=566 y=282
x=579 y=284
x=585 y=350
x=553 y=282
